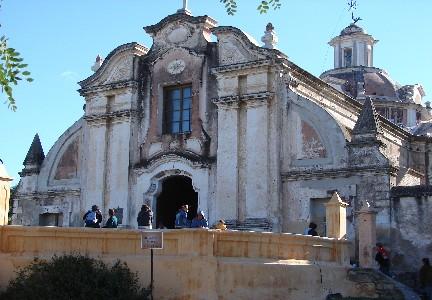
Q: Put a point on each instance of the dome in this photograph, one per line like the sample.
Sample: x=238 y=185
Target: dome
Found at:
x=379 y=84
x=351 y=29
x=366 y=81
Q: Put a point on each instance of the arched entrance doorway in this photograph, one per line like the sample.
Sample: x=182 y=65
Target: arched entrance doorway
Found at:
x=176 y=191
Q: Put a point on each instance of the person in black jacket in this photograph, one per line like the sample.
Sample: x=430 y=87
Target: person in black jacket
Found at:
x=425 y=276
x=312 y=229
x=93 y=217
x=145 y=217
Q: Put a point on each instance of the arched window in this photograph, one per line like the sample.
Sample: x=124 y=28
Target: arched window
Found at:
x=348 y=57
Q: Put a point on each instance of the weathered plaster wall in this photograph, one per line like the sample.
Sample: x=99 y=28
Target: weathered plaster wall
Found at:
x=411 y=236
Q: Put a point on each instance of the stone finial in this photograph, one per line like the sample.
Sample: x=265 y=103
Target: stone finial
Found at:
x=269 y=39
x=336 y=217
x=367 y=122
x=34 y=158
x=97 y=64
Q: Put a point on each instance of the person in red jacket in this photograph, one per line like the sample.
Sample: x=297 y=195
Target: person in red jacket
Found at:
x=383 y=258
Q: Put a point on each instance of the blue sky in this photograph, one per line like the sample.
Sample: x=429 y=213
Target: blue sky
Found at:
x=60 y=40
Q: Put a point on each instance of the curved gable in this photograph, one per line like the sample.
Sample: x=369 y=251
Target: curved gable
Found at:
x=312 y=137
x=236 y=47
x=117 y=67
x=62 y=164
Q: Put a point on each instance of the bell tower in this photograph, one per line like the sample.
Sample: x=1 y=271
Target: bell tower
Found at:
x=353 y=48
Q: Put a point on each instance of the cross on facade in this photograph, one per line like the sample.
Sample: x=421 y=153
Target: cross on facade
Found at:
x=184 y=10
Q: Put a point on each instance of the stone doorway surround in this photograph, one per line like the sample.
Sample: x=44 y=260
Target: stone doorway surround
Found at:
x=150 y=180
x=176 y=191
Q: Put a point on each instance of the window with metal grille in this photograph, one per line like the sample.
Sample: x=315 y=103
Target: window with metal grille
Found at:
x=177 y=109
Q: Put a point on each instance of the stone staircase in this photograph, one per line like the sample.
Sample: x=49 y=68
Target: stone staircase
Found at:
x=251 y=224
x=372 y=284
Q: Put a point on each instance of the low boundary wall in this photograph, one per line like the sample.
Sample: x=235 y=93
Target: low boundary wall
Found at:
x=197 y=263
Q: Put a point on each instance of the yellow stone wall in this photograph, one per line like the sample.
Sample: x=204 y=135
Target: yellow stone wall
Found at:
x=5 y=181
x=195 y=263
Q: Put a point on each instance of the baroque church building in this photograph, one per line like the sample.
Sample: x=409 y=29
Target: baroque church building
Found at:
x=238 y=131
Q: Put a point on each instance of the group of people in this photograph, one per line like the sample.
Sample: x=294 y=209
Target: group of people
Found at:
x=199 y=221
x=182 y=221
x=93 y=218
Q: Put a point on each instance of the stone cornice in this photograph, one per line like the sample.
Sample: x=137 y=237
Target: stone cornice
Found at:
x=262 y=97
x=337 y=173
x=29 y=171
x=112 y=115
x=415 y=173
x=48 y=194
x=195 y=160
x=367 y=141
x=354 y=36
x=410 y=191
x=242 y=66
x=108 y=87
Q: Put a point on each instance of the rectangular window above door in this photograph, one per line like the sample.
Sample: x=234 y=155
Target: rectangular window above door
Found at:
x=177 y=109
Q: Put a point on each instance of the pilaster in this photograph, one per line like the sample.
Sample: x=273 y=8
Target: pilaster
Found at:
x=257 y=156
x=227 y=179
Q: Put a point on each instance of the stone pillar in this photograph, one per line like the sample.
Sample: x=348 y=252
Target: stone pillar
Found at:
x=5 y=180
x=336 y=217
x=366 y=224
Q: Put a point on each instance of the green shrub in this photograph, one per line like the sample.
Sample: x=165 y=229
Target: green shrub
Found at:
x=74 y=277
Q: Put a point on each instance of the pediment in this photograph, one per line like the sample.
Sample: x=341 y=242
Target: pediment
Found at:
x=181 y=30
x=117 y=67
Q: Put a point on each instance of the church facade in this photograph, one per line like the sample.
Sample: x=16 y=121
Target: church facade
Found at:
x=234 y=129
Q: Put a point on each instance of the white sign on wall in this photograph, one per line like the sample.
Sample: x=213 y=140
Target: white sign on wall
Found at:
x=151 y=240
